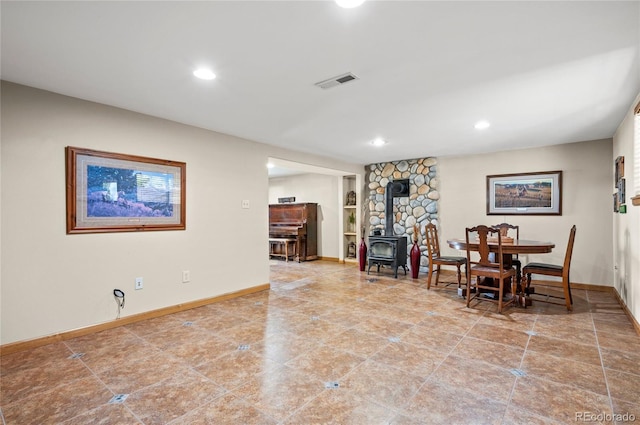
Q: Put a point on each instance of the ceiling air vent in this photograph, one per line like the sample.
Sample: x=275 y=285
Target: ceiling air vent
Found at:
x=336 y=81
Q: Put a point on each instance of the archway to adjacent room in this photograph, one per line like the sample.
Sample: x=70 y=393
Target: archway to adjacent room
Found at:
x=336 y=231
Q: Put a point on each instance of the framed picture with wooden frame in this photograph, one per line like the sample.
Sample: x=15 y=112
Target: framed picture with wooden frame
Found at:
x=538 y=193
x=619 y=168
x=622 y=191
x=113 y=192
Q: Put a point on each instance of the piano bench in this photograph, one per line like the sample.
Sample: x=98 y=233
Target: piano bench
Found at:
x=282 y=247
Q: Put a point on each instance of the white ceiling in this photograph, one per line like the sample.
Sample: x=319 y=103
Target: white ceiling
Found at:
x=542 y=73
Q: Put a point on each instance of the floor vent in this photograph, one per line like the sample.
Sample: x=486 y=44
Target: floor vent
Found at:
x=518 y=372
x=118 y=398
x=336 y=81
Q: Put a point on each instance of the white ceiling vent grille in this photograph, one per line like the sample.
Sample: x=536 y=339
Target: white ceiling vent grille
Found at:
x=336 y=81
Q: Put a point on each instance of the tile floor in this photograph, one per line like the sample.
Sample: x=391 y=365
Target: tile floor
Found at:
x=330 y=345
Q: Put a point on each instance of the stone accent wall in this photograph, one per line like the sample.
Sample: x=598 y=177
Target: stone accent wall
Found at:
x=420 y=207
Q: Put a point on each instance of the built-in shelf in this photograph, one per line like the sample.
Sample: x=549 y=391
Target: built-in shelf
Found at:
x=349 y=230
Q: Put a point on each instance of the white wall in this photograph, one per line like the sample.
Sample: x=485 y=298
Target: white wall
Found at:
x=587 y=188
x=321 y=189
x=52 y=282
x=626 y=227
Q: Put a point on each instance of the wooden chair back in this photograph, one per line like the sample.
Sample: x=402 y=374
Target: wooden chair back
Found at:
x=568 y=254
x=505 y=228
x=433 y=245
x=490 y=266
x=436 y=260
x=481 y=235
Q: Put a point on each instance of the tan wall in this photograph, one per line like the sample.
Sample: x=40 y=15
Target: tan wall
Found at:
x=587 y=202
x=53 y=282
x=626 y=227
x=318 y=188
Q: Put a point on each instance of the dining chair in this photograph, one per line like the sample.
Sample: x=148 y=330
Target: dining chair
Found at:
x=553 y=270
x=489 y=265
x=514 y=229
x=436 y=260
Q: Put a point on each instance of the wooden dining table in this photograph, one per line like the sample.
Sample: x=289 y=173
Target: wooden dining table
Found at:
x=518 y=246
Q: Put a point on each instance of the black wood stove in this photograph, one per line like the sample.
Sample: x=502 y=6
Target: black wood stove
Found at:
x=388 y=251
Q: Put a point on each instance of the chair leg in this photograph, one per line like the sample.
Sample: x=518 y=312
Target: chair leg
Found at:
x=470 y=289
x=437 y=275
x=459 y=277
x=567 y=295
x=500 y=292
x=514 y=291
x=430 y=273
x=525 y=288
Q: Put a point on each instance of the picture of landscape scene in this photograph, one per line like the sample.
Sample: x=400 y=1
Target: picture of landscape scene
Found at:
x=120 y=192
x=535 y=193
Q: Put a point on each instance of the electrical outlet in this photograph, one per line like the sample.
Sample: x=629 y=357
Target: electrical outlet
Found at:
x=139 y=283
x=186 y=276
x=245 y=204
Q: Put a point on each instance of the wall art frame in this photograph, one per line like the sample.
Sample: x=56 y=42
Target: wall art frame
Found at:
x=622 y=192
x=114 y=192
x=620 y=185
x=538 y=193
x=619 y=163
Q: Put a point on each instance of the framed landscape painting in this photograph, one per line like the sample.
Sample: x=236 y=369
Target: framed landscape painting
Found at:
x=112 y=192
x=537 y=193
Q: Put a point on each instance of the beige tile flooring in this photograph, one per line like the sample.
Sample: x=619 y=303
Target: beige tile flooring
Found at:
x=330 y=345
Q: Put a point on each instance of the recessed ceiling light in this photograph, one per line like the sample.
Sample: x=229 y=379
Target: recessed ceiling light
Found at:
x=481 y=125
x=348 y=4
x=204 y=74
x=378 y=142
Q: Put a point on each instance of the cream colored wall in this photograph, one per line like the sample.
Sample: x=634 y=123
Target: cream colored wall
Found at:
x=53 y=282
x=626 y=227
x=587 y=202
x=321 y=189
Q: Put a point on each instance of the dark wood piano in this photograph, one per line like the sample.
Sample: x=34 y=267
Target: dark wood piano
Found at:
x=299 y=222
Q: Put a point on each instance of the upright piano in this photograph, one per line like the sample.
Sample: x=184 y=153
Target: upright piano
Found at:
x=299 y=222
